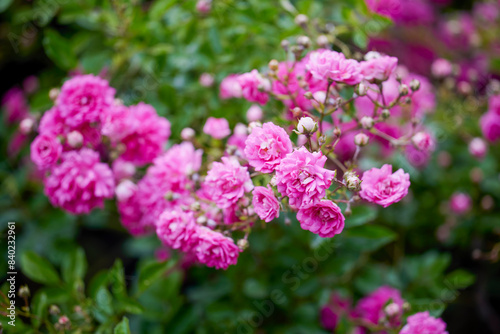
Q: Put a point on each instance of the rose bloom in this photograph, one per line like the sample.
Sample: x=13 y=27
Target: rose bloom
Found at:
x=265 y=204
x=131 y=212
x=215 y=250
x=331 y=313
x=478 y=148
x=266 y=146
x=15 y=105
x=323 y=218
x=218 y=128
x=441 y=68
x=302 y=178
x=227 y=182
x=423 y=141
x=382 y=187
x=122 y=169
x=254 y=87
x=84 y=99
x=206 y=79
x=45 y=151
x=423 y=323
x=177 y=229
x=230 y=87
x=378 y=69
x=140 y=129
x=460 y=203
x=204 y=6
x=254 y=113
x=80 y=182
x=490 y=125
x=371 y=307
x=326 y=64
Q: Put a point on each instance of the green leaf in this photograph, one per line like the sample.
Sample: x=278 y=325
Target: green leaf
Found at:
x=39 y=306
x=59 y=50
x=460 y=279
x=116 y=277
x=74 y=266
x=4 y=4
x=361 y=215
x=151 y=272
x=104 y=301
x=368 y=237
x=122 y=327
x=39 y=269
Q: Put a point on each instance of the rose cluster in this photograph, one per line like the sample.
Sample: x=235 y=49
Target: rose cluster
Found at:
x=381 y=311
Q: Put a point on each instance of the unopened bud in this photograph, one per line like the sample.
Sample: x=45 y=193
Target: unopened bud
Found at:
x=386 y=113
x=125 y=190
x=392 y=310
x=187 y=134
x=254 y=113
x=361 y=139
x=337 y=132
x=54 y=310
x=403 y=90
x=322 y=140
x=352 y=181
x=301 y=20
x=285 y=45
x=297 y=112
x=304 y=41
x=195 y=206
x=243 y=244
x=322 y=41
x=306 y=126
x=201 y=220
x=254 y=125
x=24 y=291
x=26 y=125
x=367 y=122
x=273 y=65
x=54 y=93
x=74 y=139
x=308 y=95
x=362 y=89
x=415 y=85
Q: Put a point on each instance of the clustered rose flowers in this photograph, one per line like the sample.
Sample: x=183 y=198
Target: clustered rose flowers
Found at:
x=380 y=311
x=92 y=147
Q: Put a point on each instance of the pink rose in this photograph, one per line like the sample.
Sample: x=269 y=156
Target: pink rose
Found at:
x=441 y=68
x=80 y=182
x=215 y=250
x=230 y=87
x=45 y=151
x=206 y=79
x=16 y=107
x=323 y=218
x=478 y=148
x=254 y=87
x=177 y=229
x=218 y=128
x=265 y=204
x=378 y=69
x=371 y=307
x=460 y=203
x=382 y=187
x=254 y=113
x=266 y=146
x=84 y=99
x=422 y=322
x=326 y=64
x=227 y=182
x=302 y=178
x=490 y=125
x=423 y=141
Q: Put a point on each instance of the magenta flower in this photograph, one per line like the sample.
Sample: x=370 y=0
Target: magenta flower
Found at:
x=490 y=125
x=266 y=146
x=302 y=178
x=323 y=218
x=265 y=204
x=230 y=87
x=177 y=229
x=478 y=148
x=378 y=69
x=423 y=323
x=140 y=129
x=254 y=87
x=84 y=99
x=326 y=64
x=45 y=151
x=80 y=182
x=215 y=250
x=218 y=128
x=460 y=203
x=15 y=105
x=382 y=187
x=423 y=141
x=371 y=307
x=227 y=182
x=131 y=212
